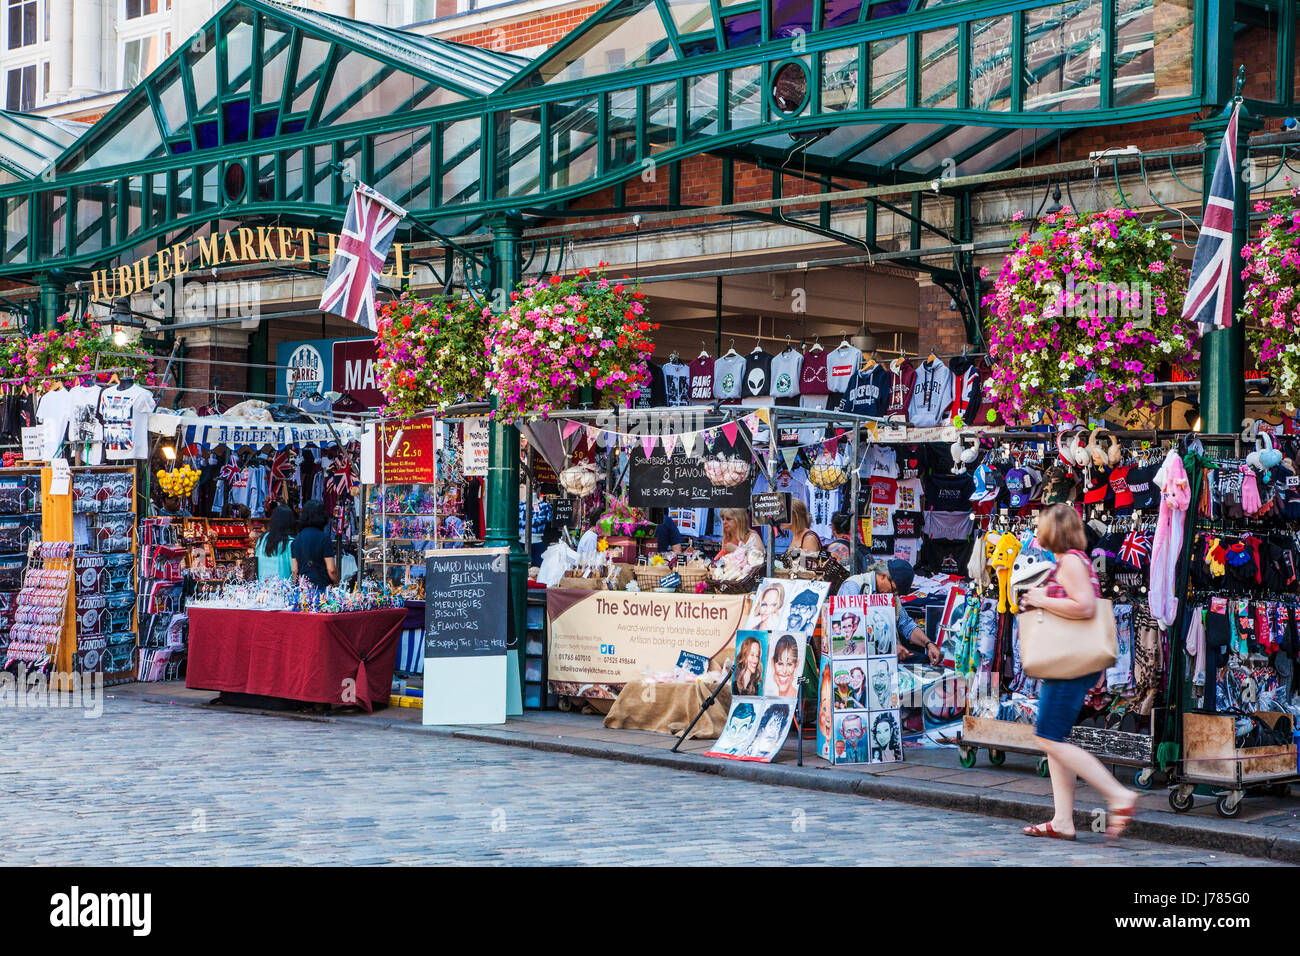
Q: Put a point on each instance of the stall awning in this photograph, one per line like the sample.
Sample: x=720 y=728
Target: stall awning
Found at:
x=208 y=432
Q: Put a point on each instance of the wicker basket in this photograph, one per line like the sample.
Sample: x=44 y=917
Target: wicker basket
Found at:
x=745 y=585
x=647 y=576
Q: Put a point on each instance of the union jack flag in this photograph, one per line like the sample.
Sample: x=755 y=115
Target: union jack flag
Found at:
x=359 y=257
x=1136 y=549
x=1209 y=292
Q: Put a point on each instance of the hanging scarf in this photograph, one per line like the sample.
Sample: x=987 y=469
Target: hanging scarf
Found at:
x=281 y=472
x=1175 y=498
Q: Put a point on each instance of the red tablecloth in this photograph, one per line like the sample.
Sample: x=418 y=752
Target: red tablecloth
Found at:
x=297 y=656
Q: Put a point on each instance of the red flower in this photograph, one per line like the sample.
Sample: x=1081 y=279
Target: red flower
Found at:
x=618 y=289
x=580 y=338
x=406 y=321
x=643 y=326
x=638 y=295
x=629 y=315
x=1036 y=249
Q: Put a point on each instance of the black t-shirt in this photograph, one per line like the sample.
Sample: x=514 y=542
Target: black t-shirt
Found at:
x=654 y=394
x=948 y=492
x=758 y=373
x=310 y=549
x=945 y=557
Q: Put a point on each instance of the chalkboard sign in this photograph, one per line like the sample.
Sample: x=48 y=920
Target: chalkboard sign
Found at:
x=658 y=481
x=770 y=507
x=466 y=593
x=562 y=513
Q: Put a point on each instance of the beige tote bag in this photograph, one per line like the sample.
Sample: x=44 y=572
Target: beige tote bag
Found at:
x=1061 y=648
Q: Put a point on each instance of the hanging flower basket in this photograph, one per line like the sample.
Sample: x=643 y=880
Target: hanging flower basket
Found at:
x=430 y=354
x=72 y=352
x=1083 y=314
x=562 y=335
x=1271 y=304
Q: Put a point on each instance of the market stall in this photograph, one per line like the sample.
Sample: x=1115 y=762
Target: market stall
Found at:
x=278 y=640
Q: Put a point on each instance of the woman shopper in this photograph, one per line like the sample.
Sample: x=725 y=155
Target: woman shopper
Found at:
x=312 y=551
x=1071 y=592
x=274 y=558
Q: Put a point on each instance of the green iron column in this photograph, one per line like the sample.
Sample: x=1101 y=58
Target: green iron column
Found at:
x=502 y=504
x=50 y=290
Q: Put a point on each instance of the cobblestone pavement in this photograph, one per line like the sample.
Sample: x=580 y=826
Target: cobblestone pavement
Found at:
x=147 y=783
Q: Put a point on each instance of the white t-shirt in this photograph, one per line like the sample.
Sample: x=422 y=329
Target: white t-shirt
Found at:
x=785 y=374
x=84 y=429
x=677 y=383
x=54 y=410
x=589 y=542
x=126 y=422
x=822 y=504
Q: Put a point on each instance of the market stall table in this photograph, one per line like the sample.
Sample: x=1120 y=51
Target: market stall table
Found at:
x=298 y=656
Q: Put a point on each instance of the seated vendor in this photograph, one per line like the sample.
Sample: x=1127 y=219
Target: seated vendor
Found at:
x=737 y=533
x=895 y=577
x=668 y=537
x=800 y=527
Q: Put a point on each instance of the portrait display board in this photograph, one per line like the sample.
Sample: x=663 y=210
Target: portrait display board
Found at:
x=769 y=656
x=858 y=698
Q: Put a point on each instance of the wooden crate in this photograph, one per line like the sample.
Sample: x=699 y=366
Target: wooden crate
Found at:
x=1210 y=754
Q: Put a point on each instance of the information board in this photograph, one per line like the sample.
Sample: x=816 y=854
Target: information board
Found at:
x=466 y=596
x=404 y=451
x=661 y=481
x=770 y=507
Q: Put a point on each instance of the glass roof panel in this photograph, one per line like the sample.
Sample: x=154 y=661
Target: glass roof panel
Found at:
x=939 y=59
x=888 y=62
x=632 y=34
x=313 y=55
x=362 y=87
x=840 y=139
x=790 y=18
x=1063 y=57
x=171 y=99
x=203 y=68
x=1007 y=152
x=238 y=28
x=1154 y=46
x=954 y=144
x=137 y=138
x=990 y=64
x=883 y=153
x=840 y=79
x=840 y=13
x=274 y=60
x=691 y=16
x=889 y=8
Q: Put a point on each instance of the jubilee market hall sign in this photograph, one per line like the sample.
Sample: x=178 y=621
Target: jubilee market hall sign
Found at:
x=279 y=245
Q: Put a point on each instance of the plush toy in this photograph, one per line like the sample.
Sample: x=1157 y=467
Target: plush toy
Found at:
x=1004 y=556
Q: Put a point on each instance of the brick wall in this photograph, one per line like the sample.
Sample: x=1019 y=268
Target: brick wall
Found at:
x=231 y=382
x=543 y=29
x=939 y=327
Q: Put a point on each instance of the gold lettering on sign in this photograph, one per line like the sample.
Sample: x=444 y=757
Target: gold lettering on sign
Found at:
x=209 y=252
x=246 y=244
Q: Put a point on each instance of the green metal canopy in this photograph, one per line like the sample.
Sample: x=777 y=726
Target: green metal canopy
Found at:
x=29 y=144
x=247 y=119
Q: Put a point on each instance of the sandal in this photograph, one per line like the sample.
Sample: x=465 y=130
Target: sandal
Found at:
x=1048 y=831
x=1119 y=821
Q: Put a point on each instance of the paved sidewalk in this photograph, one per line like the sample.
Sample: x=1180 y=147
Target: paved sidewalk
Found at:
x=1266 y=827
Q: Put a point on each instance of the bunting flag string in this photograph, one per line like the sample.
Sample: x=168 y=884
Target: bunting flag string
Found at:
x=669 y=443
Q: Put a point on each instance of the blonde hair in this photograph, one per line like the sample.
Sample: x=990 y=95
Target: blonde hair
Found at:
x=1060 y=529
x=799 y=520
x=741 y=517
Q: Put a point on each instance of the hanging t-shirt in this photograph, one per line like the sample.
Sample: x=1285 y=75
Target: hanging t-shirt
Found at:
x=812 y=373
x=968 y=390
x=902 y=378
x=867 y=391
x=822 y=504
x=879 y=460
x=728 y=376
x=125 y=412
x=785 y=374
x=758 y=372
x=702 y=380
x=677 y=383
x=54 y=411
x=1145 y=492
x=949 y=492
x=841 y=363
x=932 y=395
x=950 y=525
x=652 y=393
x=909 y=494
x=907 y=549
x=945 y=557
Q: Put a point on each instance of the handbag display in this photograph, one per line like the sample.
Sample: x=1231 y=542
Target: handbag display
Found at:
x=1060 y=648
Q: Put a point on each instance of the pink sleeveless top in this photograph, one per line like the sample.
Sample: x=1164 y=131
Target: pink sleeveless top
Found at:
x=1055 y=590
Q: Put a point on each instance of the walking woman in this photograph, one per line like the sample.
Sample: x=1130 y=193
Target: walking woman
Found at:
x=1071 y=592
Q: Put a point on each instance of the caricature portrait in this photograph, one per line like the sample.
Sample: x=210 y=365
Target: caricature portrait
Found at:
x=883 y=684
x=881 y=630
x=803 y=611
x=825 y=709
x=766 y=615
x=843 y=689
x=748 y=679
x=850 y=639
x=886 y=744
x=739 y=730
x=851 y=744
x=858 y=686
x=770 y=736
x=784 y=667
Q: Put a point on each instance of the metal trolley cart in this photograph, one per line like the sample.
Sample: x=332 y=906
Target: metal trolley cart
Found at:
x=1210 y=757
